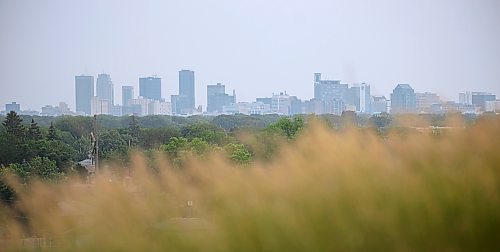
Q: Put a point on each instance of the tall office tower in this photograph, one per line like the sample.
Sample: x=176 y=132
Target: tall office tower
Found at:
x=127 y=95
x=365 y=98
x=84 y=91
x=403 y=99
x=217 y=98
x=330 y=93
x=104 y=88
x=479 y=99
x=328 y=90
x=186 y=99
x=150 y=88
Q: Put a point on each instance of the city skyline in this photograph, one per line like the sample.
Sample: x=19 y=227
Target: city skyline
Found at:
x=257 y=47
x=117 y=91
x=330 y=97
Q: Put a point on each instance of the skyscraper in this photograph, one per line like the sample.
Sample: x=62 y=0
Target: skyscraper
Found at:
x=217 y=98
x=186 y=99
x=365 y=98
x=330 y=93
x=84 y=91
x=403 y=99
x=150 y=88
x=328 y=90
x=127 y=95
x=479 y=99
x=104 y=88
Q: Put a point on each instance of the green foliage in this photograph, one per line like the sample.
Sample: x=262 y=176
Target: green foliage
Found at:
x=232 y=122
x=13 y=125
x=78 y=126
x=175 y=145
x=12 y=140
x=52 y=136
x=208 y=132
x=133 y=126
x=111 y=142
x=198 y=146
x=34 y=131
x=7 y=193
x=44 y=169
x=238 y=153
x=152 y=138
x=381 y=121
x=287 y=127
x=64 y=155
x=82 y=147
x=178 y=147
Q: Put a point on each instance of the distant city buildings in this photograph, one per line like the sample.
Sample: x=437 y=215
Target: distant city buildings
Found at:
x=62 y=109
x=150 y=88
x=84 y=91
x=427 y=103
x=184 y=102
x=403 y=100
x=14 y=106
x=330 y=97
x=104 y=88
x=492 y=106
x=100 y=106
x=127 y=95
x=217 y=98
x=479 y=99
x=379 y=104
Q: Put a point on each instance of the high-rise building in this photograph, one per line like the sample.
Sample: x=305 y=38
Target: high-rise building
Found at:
x=16 y=107
x=479 y=99
x=379 y=105
x=150 y=88
x=465 y=98
x=84 y=91
x=328 y=90
x=185 y=103
x=403 y=99
x=426 y=102
x=217 y=98
x=104 y=88
x=127 y=95
x=332 y=94
x=100 y=106
x=281 y=104
x=365 y=99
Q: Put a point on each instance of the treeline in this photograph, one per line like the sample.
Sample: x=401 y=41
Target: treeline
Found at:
x=49 y=148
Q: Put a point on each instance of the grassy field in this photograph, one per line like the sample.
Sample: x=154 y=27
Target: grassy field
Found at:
x=326 y=191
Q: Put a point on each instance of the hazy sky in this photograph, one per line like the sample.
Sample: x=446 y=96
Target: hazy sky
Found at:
x=256 y=47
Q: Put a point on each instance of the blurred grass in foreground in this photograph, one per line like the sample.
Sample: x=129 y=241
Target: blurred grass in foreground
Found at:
x=327 y=191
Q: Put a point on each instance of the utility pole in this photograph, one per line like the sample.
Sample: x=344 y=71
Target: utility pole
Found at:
x=96 y=146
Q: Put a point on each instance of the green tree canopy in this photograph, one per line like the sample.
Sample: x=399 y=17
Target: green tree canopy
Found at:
x=34 y=131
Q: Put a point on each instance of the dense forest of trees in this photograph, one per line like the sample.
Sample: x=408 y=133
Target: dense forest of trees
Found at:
x=48 y=148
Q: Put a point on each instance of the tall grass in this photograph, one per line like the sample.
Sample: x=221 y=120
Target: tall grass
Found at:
x=326 y=191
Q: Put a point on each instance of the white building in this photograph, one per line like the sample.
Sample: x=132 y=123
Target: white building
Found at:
x=379 y=104
x=99 y=106
x=465 y=98
x=425 y=102
x=280 y=104
x=492 y=106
